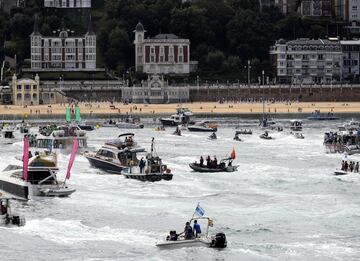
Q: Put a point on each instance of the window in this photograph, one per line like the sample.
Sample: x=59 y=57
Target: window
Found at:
x=19 y=87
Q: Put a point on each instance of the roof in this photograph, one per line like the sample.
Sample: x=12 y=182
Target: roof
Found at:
x=307 y=41
x=139 y=27
x=36 y=27
x=166 y=36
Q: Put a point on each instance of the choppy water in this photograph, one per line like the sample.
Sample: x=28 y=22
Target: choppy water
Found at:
x=282 y=204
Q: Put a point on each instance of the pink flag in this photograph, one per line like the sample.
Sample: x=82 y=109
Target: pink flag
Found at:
x=72 y=157
x=26 y=158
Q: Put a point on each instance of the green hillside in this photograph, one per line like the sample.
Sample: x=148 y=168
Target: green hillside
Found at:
x=224 y=34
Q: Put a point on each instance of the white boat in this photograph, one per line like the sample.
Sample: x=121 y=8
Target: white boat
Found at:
x=7 y=217
x=115 y=155
x=351 y=126
x=298 y=135
x=296 y=125
x=203 y=240
x=42 y=179
x=8 y=136
x=182 y=116
x=60 y=139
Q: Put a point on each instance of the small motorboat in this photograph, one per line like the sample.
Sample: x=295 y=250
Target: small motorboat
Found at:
x=57 y=192
x=237 y=138
x=196 y=167
x=244 y=132
x=352 y=149
x=265 y=136
x=202 y=240
x=298 y=135
x=316 y=116
x=203 y=126
x=212 y=136
x=155 y=170
x=182 y=116
x=7 y=217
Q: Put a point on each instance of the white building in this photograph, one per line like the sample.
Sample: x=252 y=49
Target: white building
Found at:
x=63 y=52
x=353 y=7
x=163 y=54
x=67 y=3
x=350 y=59
x=156 y=91
x=307 y=61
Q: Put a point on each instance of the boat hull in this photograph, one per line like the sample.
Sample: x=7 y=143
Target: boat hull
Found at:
x=167 y=122
x=17 y=190
x=197 y=129
x=339 y=172
x=109 y=167
x=197 y=168
x=149 y=177
x=185 y=243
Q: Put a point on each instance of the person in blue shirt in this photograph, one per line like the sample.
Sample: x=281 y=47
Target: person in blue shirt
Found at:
x=197 y=228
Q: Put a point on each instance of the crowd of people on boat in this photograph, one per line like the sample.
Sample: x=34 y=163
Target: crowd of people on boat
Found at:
x=341 y=139
x=350 y=167
x=210 y=163
x=189 y=232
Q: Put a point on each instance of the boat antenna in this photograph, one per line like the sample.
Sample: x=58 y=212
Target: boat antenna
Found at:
x=152 y=146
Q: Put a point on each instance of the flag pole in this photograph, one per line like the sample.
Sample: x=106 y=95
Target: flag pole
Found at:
x=194 y=212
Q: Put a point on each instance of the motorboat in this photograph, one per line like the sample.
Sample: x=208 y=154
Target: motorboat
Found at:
x=224 y=166
x=203 y=126
x=153 y=169
x=351 y=126
x=86 y=127
x=316 y=116
x=61 y=138
x=42 y=178
x=109 y=124
x=182 y=116
x=130 y=123
x=201 y=240
x=212 y=136
x=237 y=138
x=244 y=132
x=265 y=136
x=115 y=155
x=7 y=135
x=352 y=149
x=296 y=125
x=298 y=135
x=9 y=218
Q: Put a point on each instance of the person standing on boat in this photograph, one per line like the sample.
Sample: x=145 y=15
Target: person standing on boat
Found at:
x=201 y=161
x=188 y=231
x=197 y=228
x=215 y=162
x=208 y=162
x=142 y=165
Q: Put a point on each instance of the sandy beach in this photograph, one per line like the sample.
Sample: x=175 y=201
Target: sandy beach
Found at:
x=197 y=108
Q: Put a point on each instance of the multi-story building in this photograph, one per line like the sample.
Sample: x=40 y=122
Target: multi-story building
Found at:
x=285 y=6
x=350 y=59
x=63 y=52
x=67 y=3
x=353 y=10
x=316 y=8
x=163 y=54
x=307 y=61
x=25 y=91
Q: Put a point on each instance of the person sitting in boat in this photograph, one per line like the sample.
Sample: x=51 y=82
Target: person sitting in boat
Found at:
x=213 y=136
x=173 y=236
x=201 y=161
x=237 y=137
x=188 y=231
x=30 y=154
x=197 y=228
x=266 y=134
x=230 y=163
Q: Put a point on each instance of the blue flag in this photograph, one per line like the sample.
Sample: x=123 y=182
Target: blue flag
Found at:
x=199 y=211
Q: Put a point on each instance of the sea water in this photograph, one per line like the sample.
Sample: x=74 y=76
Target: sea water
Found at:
x=283 y=203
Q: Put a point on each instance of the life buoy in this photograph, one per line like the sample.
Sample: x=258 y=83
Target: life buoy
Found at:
x=163 y=167
x=168 y=171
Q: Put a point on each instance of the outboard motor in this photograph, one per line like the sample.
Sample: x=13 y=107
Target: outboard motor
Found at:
x=219 y=241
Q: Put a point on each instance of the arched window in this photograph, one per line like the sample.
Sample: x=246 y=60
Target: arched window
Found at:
x=18 y=96
x=27 y=97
